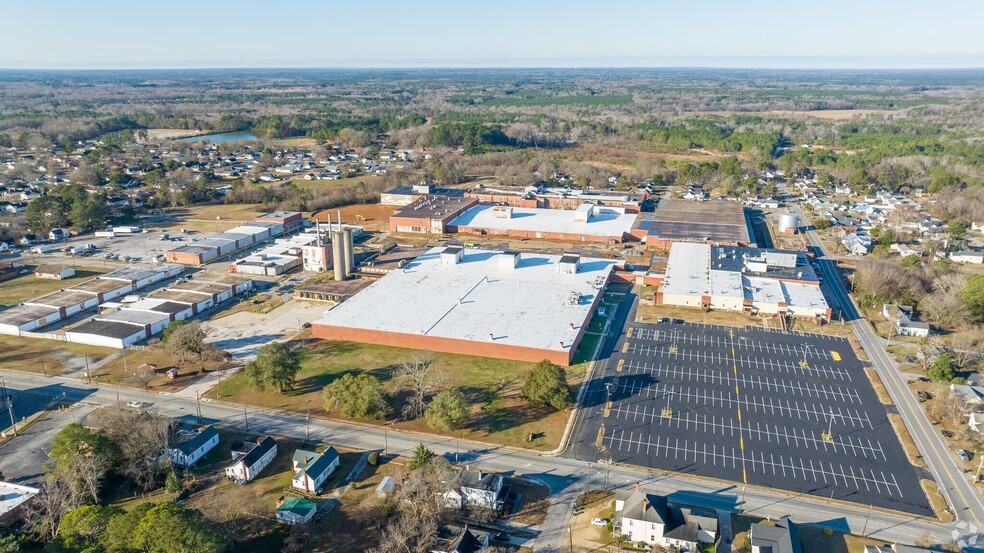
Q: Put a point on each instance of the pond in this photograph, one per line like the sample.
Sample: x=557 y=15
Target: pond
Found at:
x=234 y=136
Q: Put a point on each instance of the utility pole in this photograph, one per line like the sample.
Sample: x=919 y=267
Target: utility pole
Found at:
x=307 y=427
x=44 y=368
x=245 y=417
x=119 y=405
x=8 y=401
x=866 y=518
x=125 y=369
x=198 y=399
x=455 y=450
x=88 y=373
x=981 y=463
x=385 y=442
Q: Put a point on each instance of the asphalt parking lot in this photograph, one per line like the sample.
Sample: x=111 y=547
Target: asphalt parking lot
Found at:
x=793 y=411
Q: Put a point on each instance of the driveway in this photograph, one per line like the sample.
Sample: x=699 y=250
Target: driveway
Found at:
x=241 y=334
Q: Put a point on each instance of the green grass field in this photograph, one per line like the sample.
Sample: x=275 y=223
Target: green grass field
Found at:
x=492 y=386
x=25 y=287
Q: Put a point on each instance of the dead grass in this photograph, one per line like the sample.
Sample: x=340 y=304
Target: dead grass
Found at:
x=28 y=286
x=587 y=537
x=936 y=501
x=260 y=303
x=911 y=451
x=492 y=386
x=36 y=355
x=534 y=503
x=375 y=217
x=818 y=540
x=124 y=373
x=876 y=383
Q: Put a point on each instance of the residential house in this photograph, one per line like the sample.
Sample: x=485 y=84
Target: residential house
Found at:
x=14 y=502
x=54 y=272
x=968 y=256
x=193 y=446
x=59 y=234
x=902 y=316
x=857 y=244
x=474 y=488
x=971 y=396
x=455 y=539
x=780 y=536
x=296 y=510
x=312 y=469
x=250 y=458
x=905 y=251
x=651 y=519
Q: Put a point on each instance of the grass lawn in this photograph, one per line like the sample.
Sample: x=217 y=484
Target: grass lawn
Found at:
x=123 y=373
x=37 y=355
x=260 y=303
x=26 y=287
x=492 y=386
x=326 y=184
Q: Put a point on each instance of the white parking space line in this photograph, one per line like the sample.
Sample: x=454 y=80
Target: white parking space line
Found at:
x=675 y=336
x=752 y=382
x=697 y=452
x=670 y=351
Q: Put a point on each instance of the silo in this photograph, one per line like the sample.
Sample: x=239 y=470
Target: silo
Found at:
x=788 y=222
x=338 y=255
x=348 y=252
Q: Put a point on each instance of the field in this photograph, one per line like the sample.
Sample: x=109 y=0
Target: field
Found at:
x=47 y=356
x=492 y=387
x=125 y=372
x=376 y=216
x=25 y=287
x=326 y=184
x=202 y=218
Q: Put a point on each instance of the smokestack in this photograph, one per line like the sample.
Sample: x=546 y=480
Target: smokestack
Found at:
x=347 y=251
x=339 y=219
x=337 y=255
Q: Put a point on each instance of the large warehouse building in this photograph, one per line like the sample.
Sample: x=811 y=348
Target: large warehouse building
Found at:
x=127 y=325
x=429 y=214
x=586 y=223
x=212 y=247
x=506 y=304
x=35 y=314
x=713 y=222
x=744 y=280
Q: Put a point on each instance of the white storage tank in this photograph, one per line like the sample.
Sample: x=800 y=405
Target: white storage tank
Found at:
x=788 y=222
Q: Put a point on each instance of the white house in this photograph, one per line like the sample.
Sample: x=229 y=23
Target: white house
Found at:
x=968 y=256
x=250 y=458
x=901 y=315
x=296 y=510
x=59 y=234
x=856 y=244
x=647 y=518
x=475 y=488
x=194 y=447
x=312 y=469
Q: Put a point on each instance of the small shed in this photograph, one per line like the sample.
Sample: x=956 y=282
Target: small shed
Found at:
x=386 y=486
x=171 y=373
x=54 y=272
x=296 y=510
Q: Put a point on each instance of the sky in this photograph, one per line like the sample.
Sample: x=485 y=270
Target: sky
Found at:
x=115 y=34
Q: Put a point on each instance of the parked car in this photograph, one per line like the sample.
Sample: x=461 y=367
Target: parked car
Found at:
x=678 y=321
x=662 y=320
x=599 y=521
x=947 y=434
x=964 y=456
x=501 y=536
x=923 y=396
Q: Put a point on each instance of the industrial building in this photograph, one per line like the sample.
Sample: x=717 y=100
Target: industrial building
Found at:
x=744 y=280
x=586 y=223
x=502 y=304
x=716 y=222
x=429 y=214
x=52 y=308
x=544 y=197
x=284 y=255
x=210 y=248
x=406 y=195
x=129 y=324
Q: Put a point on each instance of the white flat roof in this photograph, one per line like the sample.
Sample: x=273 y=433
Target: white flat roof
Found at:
x=134 y=316
x=764 y=290
x=606 y=221
x=527 y=306
x=726 y=284
x=12 y=495
x=804 y=295
x=688 y=270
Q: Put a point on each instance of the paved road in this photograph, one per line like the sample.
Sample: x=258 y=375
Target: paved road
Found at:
x=565 y=477
x=23 y=458
x=960 y=492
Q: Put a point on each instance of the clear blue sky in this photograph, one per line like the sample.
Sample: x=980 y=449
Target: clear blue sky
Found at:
x=491 y=33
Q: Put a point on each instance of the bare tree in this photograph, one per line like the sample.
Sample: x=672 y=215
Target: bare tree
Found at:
x=47 y=509
x=421 y=501
x=142 y=437
x=422 y=379
x=144 y=374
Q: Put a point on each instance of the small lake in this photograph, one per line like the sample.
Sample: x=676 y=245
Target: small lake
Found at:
x=218 y=137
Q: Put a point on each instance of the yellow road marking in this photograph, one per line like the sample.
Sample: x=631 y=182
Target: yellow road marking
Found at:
x=620 y=363
x=608 y=409
x=625 y=347
x=835 y=355
x=629 y=333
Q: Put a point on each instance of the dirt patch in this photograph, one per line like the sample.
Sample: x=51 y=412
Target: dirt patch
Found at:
x=911 y=451
x=876 y=383
x=936 y=501
x=373 y=217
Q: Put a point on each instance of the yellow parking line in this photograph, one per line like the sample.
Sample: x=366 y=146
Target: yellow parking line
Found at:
x=835 y=355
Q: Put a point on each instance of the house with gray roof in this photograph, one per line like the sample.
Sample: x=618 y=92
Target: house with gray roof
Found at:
x=651 y=519
x=193 y=445
x=312 y=469
x=780 y=536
